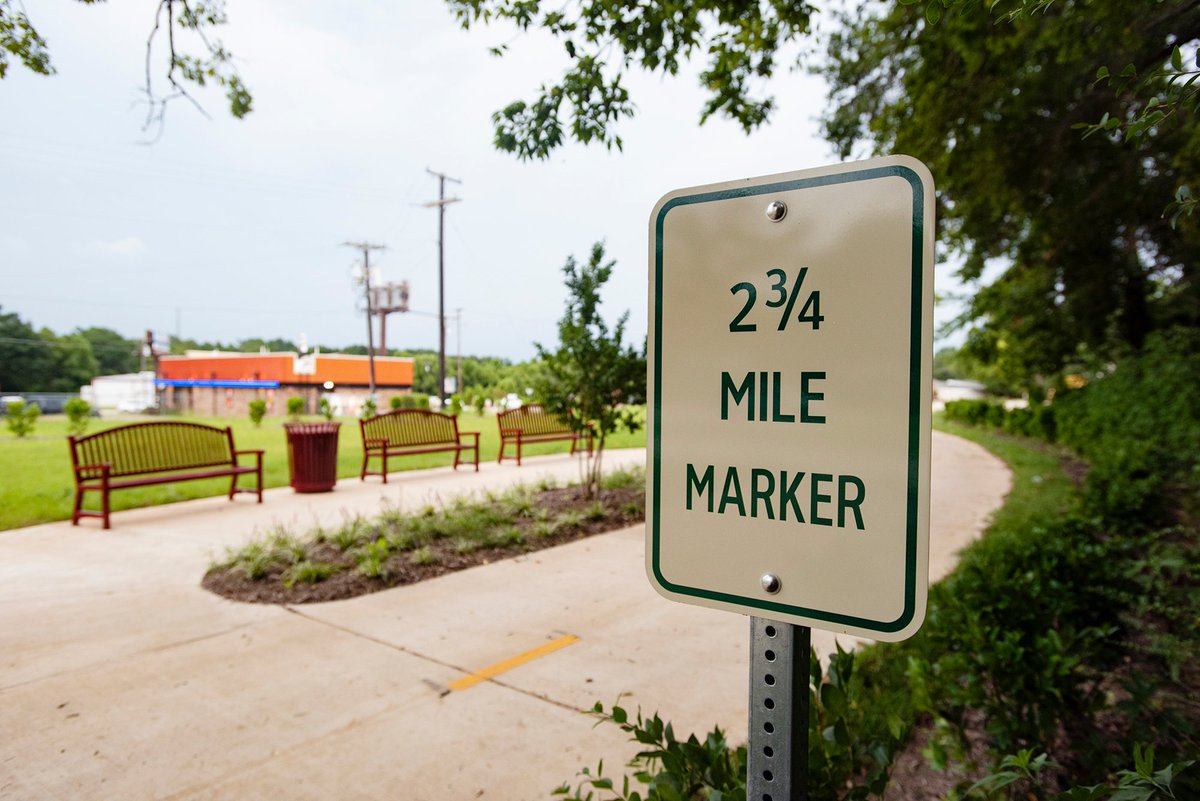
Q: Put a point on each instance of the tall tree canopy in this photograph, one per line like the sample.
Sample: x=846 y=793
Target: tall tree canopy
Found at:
x=24 y=358
x=995 y=108
x=185 y=29
x=996 y=97
x=114 y=353
x=739 y=40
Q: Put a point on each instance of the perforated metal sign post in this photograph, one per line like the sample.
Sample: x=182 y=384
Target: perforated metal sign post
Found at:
x=777 y=758
x=790 y=363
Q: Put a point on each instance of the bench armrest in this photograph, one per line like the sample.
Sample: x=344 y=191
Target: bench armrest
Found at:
x=474 y=434
x=104 y=467
x=258 y=455
x=374 y=443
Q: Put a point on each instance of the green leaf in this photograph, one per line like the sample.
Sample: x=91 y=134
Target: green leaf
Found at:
x=1093 y=793
x=1133 y=793
x=1177 y=59
x=933 y=12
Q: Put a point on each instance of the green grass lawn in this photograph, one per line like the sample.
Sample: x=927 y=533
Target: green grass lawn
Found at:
x=36 y=485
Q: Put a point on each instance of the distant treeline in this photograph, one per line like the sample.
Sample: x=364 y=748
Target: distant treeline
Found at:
x=40 y=360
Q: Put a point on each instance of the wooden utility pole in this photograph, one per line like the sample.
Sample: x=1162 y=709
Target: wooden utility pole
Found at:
x=366 y=248
x=458 y=336
x=441 y=204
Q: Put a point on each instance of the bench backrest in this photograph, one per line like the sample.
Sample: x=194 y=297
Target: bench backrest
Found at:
x=411 y=427
x=532 y=418
x=152 y=448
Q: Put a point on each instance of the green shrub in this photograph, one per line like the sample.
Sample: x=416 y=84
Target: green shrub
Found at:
x=307 y=573
x=422 y=556
x=258 y=410
x=971 y=412
x=670 y=768
x=372 y=559
x=409 y=402
x=1022 y=629
x=1139 y=428
x=850 y=749
x=295 y=407
x=370 y=408
x=1020 y=776
x=995 y=415
x=79 y=414
x=1036 y=421
x=325 y=407
x=21 y=417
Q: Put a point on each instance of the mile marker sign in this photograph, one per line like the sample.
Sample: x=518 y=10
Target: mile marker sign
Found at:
x=790 y=341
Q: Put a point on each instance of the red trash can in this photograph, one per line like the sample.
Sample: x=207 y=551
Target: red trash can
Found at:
x=312 y=455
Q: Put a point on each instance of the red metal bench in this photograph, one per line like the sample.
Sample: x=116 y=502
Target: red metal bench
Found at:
x=532 y=423
x=158 y=452
x=408 y=431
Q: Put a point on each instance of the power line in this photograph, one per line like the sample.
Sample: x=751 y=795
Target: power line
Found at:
x=222 y=309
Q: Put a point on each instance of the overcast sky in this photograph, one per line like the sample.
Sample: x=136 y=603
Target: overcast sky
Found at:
x=225 y=229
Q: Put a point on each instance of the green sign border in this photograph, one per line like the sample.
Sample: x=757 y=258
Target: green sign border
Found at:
x=915 y=395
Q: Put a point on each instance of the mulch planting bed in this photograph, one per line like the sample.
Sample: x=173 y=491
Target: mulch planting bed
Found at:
x=619 y=505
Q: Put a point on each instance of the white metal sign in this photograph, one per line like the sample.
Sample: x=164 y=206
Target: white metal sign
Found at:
x=790 y=376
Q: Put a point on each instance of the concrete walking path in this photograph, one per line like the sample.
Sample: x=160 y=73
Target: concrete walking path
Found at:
x=120 y=678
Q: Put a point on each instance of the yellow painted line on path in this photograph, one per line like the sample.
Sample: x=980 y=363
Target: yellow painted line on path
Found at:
x=508 y=664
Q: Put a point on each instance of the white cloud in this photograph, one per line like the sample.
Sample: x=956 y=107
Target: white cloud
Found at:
x=15 y=245
x=120 y=248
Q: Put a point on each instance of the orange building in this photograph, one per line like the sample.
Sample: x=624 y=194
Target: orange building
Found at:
x=221 y=383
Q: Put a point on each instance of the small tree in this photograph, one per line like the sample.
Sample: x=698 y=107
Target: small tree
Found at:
x=592 y=373
x=325 y=407
x=397 y=403
x=258 y=410
x=21 y=417
x=79 y=414
x=370 y=408
x=295 y=408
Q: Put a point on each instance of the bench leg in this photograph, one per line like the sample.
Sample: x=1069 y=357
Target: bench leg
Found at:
x=383 y=457
x=78 y=506
x=257 y=478
x=104 y=507
x=518 y=450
